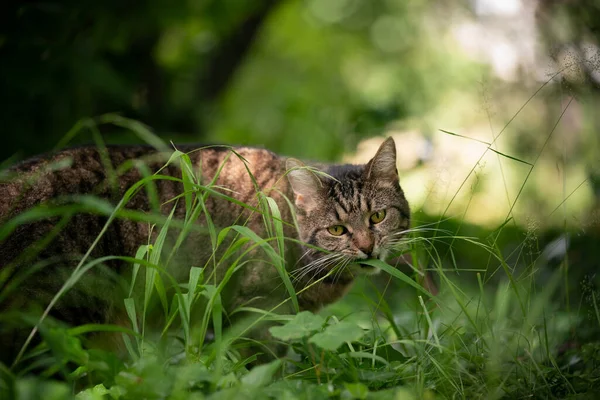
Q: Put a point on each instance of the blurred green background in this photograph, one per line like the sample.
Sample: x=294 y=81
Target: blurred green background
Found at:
x=494 y=106
x=316 y=78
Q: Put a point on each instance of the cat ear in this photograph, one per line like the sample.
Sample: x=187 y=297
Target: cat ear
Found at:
x=306 y=185
x=382 y=167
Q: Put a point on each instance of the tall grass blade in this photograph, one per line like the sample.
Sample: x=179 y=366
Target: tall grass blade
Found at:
x=153 y=280
x=396 y=274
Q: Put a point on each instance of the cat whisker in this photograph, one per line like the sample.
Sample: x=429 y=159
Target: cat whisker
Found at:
x=331 y=262
x=337 y=265
x=318 y=261
x=337 y=272
x=320 y=264
x=338 y=268
x=413 y=240
x=307 y=252
x=341 y=269
x=421 y=229
x=398 y=240
x=323 y=258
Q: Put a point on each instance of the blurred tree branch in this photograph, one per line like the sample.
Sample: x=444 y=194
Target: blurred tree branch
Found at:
x=232 y=50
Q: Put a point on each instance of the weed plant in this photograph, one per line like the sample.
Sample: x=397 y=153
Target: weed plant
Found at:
x=496 y=329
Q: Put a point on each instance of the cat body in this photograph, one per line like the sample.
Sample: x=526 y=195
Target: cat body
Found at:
x=352 y=212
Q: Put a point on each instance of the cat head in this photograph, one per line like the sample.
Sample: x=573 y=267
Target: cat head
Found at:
x=354 y=212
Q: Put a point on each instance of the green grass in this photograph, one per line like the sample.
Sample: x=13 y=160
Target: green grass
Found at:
x=500 y=326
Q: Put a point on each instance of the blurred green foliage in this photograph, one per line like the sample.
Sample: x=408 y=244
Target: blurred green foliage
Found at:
x=297 y=76
x=312 y=78
x=62 y=61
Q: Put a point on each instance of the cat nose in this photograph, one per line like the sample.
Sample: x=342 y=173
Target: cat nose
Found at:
x=364 y=244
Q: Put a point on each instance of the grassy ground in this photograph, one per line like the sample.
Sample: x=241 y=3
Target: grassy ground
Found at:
x=506 y=322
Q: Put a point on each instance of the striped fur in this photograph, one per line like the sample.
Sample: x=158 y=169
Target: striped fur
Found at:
x=337 y=195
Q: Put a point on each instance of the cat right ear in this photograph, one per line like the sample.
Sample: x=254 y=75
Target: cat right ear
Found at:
x=307 y=187
x=382 y=166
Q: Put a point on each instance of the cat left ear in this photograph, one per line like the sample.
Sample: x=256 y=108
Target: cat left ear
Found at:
x=305 y=183
x=383 y=165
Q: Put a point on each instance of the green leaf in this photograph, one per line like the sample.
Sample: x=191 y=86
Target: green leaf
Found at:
x=145 y=379
x=277 y=259
x=96 y=393
x=140 y=254
x=303 y=324
x=36 y=388
x=131 y=313
x=153 y=279
x=64 y=346
x=355 y=391
x=187 y=176
x=276 y=218
x=186 y=301
x=336 y=335
x=141 y=130
x=7 y=383
x=261 y=375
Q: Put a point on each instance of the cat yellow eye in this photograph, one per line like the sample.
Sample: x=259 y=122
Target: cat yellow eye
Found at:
x=336 y=230
x=377 y=217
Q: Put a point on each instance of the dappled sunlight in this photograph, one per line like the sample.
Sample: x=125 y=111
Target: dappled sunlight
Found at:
x=496 y=149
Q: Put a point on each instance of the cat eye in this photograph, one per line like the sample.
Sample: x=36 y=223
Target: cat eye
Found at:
x=377 y=217
x=337 y=230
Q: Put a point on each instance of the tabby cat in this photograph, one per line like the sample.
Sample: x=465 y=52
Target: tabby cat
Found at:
x=344 y=214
